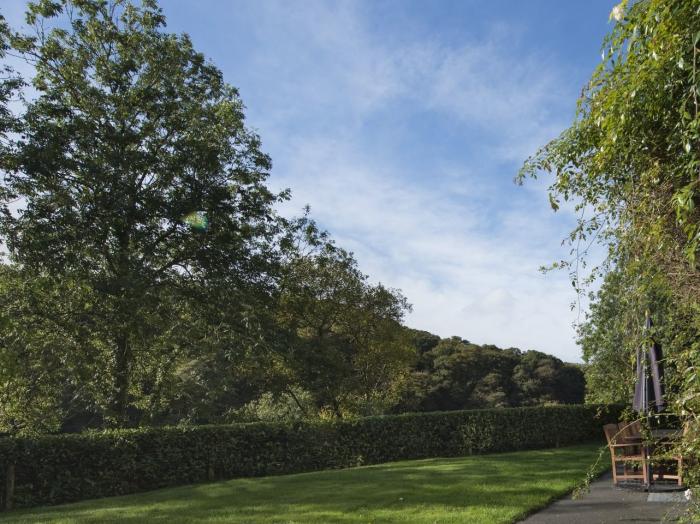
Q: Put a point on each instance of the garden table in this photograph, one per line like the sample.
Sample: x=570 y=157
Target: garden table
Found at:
x=659 y=436
x=662 y=436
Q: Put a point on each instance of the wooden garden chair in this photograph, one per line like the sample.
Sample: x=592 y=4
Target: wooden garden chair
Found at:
x=631 y=433
x=628 y=454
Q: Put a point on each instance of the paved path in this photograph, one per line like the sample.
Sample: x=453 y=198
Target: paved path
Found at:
x=606 y=504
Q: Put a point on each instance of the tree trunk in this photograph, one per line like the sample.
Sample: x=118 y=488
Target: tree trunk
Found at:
x=336 y=408
x=122 y=379
x=296 y=400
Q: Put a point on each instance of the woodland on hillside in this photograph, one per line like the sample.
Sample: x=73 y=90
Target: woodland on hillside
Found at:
x=147 y=277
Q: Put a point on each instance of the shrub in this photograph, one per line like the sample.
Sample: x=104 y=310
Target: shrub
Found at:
x=60 y=468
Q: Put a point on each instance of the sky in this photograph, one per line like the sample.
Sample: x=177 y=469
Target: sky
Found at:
x=402 y=125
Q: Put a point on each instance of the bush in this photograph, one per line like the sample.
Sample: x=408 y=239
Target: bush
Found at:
x=61 y=468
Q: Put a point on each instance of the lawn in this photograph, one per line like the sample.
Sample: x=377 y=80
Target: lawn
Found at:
x=489 y=488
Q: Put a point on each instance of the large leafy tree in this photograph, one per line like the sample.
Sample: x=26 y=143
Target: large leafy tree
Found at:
x=345 y=343
x=142 y=192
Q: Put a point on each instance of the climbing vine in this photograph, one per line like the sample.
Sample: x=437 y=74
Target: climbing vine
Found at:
x=630 y=166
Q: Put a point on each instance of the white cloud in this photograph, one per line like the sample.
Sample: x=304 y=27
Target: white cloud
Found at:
x=331 y=67
x=462 y=280
x=463 y=249
x=465 y=256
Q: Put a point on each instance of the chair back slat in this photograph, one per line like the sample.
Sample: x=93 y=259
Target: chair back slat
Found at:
x=631 y=430
x=611 y=432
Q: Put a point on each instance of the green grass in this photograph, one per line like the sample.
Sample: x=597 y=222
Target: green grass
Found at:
x=489 y=488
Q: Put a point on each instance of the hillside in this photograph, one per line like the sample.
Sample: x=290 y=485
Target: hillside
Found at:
x=453 y=373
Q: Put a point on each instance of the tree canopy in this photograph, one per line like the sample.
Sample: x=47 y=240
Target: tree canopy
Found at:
x=143 y=192
x=453 y=373
x=148 y=277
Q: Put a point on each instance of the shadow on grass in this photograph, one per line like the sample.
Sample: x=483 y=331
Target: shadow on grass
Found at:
x=489 y=488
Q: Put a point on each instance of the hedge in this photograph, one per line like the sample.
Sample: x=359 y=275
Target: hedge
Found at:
x=61 y=468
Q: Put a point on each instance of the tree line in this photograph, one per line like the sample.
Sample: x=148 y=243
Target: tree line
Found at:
x=453 y=373
x=147 y=277
x=439 y=374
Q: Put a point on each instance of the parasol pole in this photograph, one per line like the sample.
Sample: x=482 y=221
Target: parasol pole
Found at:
x=645 y=396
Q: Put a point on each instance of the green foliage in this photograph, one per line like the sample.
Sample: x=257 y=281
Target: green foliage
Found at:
x=148 y=254
x=630 y=160
x=287 y=406
x=10 y=86
x=344 y=340
x=132 y=132
x=614 y=330
x=47 y=364
x=60 y=468
x=456 y=374
x=149 y=280
x=541 y=378
x=630 y=163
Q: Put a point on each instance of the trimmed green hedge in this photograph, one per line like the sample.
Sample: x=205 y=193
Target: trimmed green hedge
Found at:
x=61 y=468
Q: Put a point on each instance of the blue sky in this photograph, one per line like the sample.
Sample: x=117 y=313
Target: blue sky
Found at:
x=402 y=125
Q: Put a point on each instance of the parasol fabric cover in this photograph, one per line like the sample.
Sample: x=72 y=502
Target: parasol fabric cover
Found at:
x=653 y=381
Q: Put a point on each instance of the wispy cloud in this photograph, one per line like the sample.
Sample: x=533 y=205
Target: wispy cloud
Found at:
x=463 y=244
x=463 y=280
x=405 y=146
